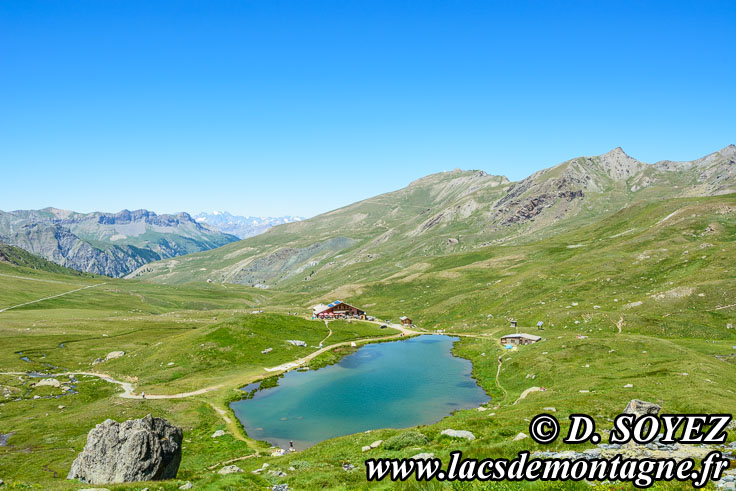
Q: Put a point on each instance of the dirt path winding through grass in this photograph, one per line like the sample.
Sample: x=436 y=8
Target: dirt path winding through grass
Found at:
x=129 y=390
x=327 y=325
x=233 y=427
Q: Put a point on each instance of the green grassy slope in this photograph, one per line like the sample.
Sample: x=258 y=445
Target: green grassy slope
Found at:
x=675 y=348
x=448 y=213
x=675 y=256
x=175 y=339
x=665 y=267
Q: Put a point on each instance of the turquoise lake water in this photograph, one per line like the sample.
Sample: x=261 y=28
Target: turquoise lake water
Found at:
x=386 y=385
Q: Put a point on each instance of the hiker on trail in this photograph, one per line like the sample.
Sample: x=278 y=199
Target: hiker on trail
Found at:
x=143 y=395
x=539 y=325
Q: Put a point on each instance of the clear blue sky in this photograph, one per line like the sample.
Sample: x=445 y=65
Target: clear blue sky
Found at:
x=272 y=107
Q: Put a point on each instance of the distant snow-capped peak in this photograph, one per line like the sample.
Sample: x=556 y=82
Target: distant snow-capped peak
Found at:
x=242 y=226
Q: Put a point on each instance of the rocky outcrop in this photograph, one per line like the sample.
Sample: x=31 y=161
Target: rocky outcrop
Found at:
x=147 y=449
x=47 y=382
x=640 y=408
x=114 y=355
x=527 y=209
x=618 y=165
x=458 y=434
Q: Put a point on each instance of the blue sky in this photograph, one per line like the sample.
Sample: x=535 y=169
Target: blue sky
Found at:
x=273 y=107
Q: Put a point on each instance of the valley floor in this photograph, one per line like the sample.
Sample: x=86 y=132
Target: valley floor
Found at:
x=644 y=315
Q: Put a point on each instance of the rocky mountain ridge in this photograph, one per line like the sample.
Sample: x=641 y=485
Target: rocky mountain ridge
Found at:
x=111 y=244
x=445 y=213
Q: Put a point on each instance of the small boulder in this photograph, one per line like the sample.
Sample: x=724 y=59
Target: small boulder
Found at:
x=423 y=456
x=640 y=408
x=114 y=354
x=186 y=485
x=458 y=434
x=147 y=449
x=376 y=444
x=520 y=436
x=366 y=448
x=218 y=434
x=230 y=469
x=47 y=382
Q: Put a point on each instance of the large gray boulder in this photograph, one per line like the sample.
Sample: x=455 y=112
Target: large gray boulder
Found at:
x=147 y=449
x=640 y=408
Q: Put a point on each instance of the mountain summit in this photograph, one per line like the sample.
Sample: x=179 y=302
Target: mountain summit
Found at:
x=619 y=165
x=445 y=213
x=242 y=226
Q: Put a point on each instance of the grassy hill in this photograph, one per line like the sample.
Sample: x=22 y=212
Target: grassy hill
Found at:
x=664 y=267
x=642 y=297
x=445 y=214
x=636 y=288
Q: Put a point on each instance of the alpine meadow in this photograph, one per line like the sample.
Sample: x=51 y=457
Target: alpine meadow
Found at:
x=279 y=245
x=629 y=266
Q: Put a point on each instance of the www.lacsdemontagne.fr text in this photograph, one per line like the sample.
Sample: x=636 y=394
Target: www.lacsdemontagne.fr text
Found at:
x=640 y=472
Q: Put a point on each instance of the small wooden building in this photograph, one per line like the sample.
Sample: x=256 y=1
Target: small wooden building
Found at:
x=338 y=310
x=405 y=320
x=519 y=339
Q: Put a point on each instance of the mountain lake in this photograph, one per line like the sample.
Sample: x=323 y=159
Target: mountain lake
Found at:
x=393 y=384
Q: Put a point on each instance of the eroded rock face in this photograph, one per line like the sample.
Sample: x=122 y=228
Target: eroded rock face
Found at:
x=147 y=449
